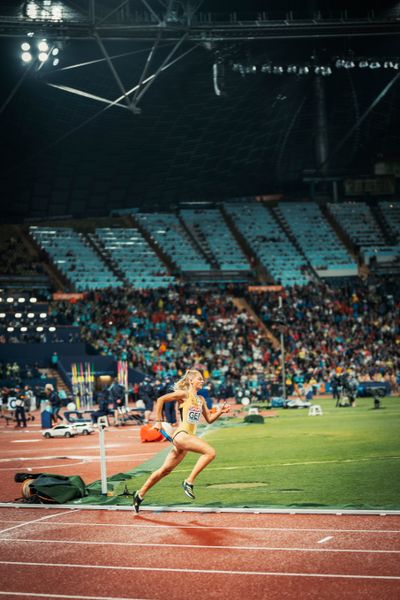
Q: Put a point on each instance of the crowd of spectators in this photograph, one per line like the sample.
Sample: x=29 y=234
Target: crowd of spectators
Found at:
x=14 y=372
x=164 y=332
x=353 y=328
x=326 y=331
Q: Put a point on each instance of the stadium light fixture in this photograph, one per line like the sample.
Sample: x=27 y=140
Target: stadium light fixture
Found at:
x=2 y=315
x=43 y=46
x=21 y=300
x=10 y=300
x=33 y=300
x=10 y=329
x=39 y=328
x=26 y=57
x=52 y=329
x=23 y=329
x=18 y=315
x=55 y=51
x=43 y=315
x=25 y=47
x=31 y=315
x=43 y=56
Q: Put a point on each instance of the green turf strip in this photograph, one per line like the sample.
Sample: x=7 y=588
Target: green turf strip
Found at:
x=347 y=458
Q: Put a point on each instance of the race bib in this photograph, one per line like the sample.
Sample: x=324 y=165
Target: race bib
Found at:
x=194 y=415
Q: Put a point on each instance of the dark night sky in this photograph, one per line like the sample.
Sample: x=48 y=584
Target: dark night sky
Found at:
x=187 y=143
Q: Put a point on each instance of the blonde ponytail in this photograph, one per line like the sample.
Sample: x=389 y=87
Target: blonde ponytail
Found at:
x=185 y=382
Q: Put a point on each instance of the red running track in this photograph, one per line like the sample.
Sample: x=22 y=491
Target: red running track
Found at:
x=111 y=555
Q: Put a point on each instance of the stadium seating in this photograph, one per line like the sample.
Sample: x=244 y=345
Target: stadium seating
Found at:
x=315 y=236
x=170 y=235
x=268 y=241
x=133 y=256
x=357 y=220
x=210 y=230
x=75 y=258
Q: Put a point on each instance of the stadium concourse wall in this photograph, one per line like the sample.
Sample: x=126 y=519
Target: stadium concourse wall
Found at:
x=39 y=353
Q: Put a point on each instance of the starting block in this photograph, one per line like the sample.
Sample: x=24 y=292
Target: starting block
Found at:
x=315 y=410
x=253 y=411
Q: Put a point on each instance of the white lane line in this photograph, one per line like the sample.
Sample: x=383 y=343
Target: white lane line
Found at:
x=196 y=546
x=71 y=457
x=325 y=539
x=32 y=595
x=35 y=521
x=59 y=465
x=201 y=571
x=296 y=464
x=25 y=441
x=212 y=527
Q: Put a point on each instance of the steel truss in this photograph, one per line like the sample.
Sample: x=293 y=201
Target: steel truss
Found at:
x=173 y=19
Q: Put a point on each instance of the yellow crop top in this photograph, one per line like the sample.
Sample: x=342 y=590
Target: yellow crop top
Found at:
x=190 y=411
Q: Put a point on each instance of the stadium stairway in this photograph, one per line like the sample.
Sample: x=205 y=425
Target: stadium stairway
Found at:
x=388 y=233
x=164 y=258
x=54 y=374
x=105 y=257
x=261 y=272
x=342 y=235
x=242 y=304
x=202 y=248
x=280 y=219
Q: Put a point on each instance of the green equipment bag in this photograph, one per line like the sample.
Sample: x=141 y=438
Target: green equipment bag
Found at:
x=54 y=489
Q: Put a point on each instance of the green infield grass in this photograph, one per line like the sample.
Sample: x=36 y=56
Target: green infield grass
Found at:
x=349 y=457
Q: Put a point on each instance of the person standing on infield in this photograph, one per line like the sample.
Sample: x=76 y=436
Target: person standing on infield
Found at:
x=190 y=406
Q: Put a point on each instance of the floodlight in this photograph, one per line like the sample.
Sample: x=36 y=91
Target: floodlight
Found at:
x=26 y=57
x=56 y=62
x=52 y=328
x=21 y=300
x=39 y=328
x=18 y=315
x=375 y=65
x=43 y=315
x=30 y=315
x=10 y=328
x=55 y=51
x=9 y=300
x=23 y=329
x=25 y=46
x=43 y=57
x=2 y=315
x=43 y=46
x=33 y=299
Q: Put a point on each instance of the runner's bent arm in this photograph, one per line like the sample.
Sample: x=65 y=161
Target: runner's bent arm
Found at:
x=211 y=417
x=179 y=396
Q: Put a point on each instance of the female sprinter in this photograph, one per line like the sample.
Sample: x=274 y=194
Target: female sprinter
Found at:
x=191 y=407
